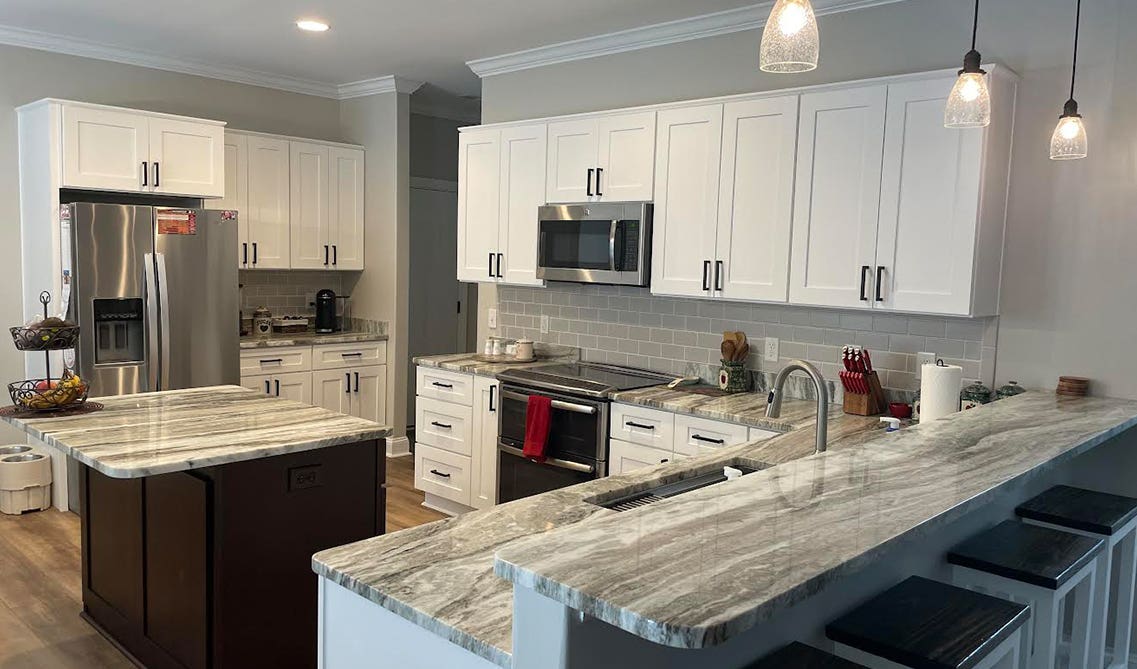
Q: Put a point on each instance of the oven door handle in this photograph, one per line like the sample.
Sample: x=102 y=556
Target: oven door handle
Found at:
x=555 y=462
x=557 y=404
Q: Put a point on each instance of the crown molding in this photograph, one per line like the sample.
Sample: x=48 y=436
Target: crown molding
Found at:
x=752 y=17
x=388 y=84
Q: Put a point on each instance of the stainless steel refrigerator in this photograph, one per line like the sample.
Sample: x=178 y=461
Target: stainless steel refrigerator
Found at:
x=155 y=291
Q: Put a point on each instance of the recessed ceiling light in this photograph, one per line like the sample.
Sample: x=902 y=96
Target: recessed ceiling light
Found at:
x=312 y=25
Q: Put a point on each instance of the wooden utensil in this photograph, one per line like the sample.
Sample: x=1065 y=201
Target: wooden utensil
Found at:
x=742 y=352
x=727 y=350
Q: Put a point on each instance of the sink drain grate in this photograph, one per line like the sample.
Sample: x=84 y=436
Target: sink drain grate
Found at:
x=636 y=502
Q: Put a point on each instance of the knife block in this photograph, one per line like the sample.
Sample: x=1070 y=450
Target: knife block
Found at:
x=872 y=404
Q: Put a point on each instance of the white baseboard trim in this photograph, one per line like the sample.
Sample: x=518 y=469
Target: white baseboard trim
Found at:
x=398 y=447
x=443 y=505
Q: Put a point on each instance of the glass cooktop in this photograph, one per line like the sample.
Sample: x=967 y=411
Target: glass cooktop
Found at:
x=592 y=379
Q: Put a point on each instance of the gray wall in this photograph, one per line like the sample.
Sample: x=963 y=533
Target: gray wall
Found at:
x=434 y=147
x=1067 y=303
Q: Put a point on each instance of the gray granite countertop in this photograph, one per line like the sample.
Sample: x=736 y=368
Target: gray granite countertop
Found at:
x=309 y=339
x=179 y=430
x=744 y=408
x=473 y=363
x=782 y=534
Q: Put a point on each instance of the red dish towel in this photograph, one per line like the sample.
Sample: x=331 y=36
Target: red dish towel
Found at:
x=538 y=413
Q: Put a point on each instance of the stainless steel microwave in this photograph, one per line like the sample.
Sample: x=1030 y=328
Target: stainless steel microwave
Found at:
x=602 y=242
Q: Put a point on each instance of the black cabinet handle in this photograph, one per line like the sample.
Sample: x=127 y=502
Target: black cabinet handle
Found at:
x=865 y=269
x=706 y=275
x=499 y=263
x=699 y=437
x=145 y=173
x=268 y=387
x=639 y=425
x=447 y=386
x=357 y=354
x=254 y=253
x=493 y=390
x=347 y=382
x=718 y=274
x=599 y=171
x=664 y=461
x=335 y=255
x=277 y=382
x=444 y=426
x=327 y=255
x=244 y=253
x=491 y=265
x=879 y=282
x=357 y=382
x=438 y=473
x=155 y=174
x=272 y=360
x=589 y=186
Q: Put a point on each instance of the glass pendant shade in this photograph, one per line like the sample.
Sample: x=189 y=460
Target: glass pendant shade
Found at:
x=1069 y=141
x=969 y=104
x=790 y=42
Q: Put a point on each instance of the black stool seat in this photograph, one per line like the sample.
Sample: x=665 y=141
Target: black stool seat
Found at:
x=929 y=625
x=1080 y=509
x=1027 y=553
x=800 y=656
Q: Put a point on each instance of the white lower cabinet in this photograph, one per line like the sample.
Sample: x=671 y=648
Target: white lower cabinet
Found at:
x=483 y=476
x=351 y=386
x=692 y=433
x=331 y=389
x=295 y=386
x=442 y=473
x=624 y=457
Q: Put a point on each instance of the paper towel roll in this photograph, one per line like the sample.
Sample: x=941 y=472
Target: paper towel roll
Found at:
x=939 y=391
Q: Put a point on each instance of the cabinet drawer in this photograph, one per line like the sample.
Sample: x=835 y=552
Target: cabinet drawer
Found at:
x=443 y=425
x=758 y=434
x=692 y=432
x=442 y=473
x=640 y=425
x=276 y=360
x=625 y=457
x=447 y=386
x=340 y=356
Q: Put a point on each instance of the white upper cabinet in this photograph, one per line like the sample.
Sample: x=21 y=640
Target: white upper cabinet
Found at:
x=522 y=183
x=346 y=187
x=237 y=191
x=106 y=148
x=603 y=158
x=756 y=198
x=479 y=162
x=840 y=135
x=686 y=203
x=929 y=204
x=309 y=203
x=267 y=211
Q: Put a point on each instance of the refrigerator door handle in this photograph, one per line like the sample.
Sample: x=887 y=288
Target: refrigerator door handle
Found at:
x=150 y=294
x=164 y=314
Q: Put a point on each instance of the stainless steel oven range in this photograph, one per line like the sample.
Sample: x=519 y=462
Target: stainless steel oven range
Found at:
x=577 y=449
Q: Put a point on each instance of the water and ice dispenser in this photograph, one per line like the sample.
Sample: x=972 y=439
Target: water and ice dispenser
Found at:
x=120 y=333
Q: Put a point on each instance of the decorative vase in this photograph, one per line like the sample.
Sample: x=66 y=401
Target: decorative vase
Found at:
x=733 y=377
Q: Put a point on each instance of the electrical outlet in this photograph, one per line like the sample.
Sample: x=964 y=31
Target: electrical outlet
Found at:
x=544 y=324
x=491 y=317
x=924 y=359
x=771 y=352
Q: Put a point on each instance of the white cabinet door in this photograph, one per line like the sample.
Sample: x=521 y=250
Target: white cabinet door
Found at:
x=626 y=157
x=755 y=214
x=267 y=214
x=625 y=457
x=522 y=178
x=686 y=202
x=347 y=188
x=332 y=390
x=483 y=456
x=837 y=201
x=296 y=386
x=187 y=158
x=105 y=149
x=262 y=383
x=310 y=206
x=929 y=204
x=369 y=393
x=479 y=162
x=572 y=161
x=237 y=191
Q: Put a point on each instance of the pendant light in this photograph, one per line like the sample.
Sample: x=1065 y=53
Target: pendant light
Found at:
x=1069 y=139
x=789 y=41
x=969 y=105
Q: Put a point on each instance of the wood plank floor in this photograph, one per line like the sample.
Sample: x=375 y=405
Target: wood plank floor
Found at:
x=41 y=588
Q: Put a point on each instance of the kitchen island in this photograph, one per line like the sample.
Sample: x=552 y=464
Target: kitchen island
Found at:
x=201 y=509
x=715 y=577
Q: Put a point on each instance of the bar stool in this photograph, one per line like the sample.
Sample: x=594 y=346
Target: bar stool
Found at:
x=800 y=656
x=1113 y=519
x=926 y=624
x=1040 y=567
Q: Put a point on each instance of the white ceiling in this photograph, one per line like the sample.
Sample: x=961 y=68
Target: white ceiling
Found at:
x=423 y=40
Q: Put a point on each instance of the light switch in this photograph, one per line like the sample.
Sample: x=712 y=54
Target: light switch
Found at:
x=491 y=317
x=922 y=359
x=544 y=324
x=771 y=352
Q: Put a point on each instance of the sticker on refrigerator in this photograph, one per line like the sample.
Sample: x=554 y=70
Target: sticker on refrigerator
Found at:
x=177 y=222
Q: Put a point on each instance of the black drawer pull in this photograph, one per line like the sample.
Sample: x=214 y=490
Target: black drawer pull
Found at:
x=444 y=426
x=351 y=355
x=272 y=360
x=640 y=425
x=442 y=385
x=438 y=473
x=699 y=437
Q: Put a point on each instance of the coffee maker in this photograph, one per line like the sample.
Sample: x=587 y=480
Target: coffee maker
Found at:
x=326 y=311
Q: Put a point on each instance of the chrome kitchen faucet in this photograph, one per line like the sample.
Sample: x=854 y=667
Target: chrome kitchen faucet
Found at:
x=774 y=402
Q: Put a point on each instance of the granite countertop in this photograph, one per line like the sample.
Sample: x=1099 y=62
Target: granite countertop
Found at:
x=744 y=408
x=471 y=363
x=441 y=576
x=309 y=339
x=781 y=535
x=180 y=430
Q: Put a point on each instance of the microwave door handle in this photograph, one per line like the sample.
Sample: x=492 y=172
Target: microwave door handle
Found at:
x=164 y=313
x=612 y=245
x=150 y=295
x=554 y=462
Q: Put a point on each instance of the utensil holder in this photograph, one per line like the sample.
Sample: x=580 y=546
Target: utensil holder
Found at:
x=872 y=404
x=733 y=377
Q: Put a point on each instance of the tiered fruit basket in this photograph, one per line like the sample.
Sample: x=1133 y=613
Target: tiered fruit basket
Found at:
x=64 y=393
